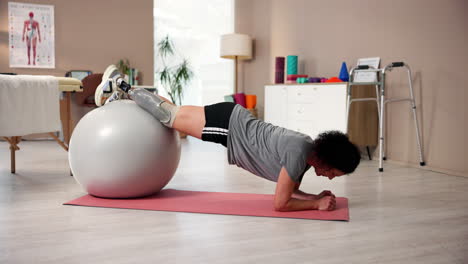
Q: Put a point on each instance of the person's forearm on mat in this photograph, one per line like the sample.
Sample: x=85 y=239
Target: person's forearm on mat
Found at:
x=294 y=204
x=284 y=201
x=327 y=203
x=298 y=194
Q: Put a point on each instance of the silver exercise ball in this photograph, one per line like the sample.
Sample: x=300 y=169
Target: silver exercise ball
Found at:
x=121 y=151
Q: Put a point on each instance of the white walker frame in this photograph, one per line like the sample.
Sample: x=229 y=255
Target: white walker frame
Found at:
x=381 y=101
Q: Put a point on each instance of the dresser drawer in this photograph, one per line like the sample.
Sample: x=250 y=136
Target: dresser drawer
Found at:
x=317 y=93
x=303 y=94
x=308 y=112
x=305 y=127
x=313 y=128
x=308 y=108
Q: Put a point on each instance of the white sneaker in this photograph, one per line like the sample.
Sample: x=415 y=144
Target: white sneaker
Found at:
x=116 y=95
x=108 y=85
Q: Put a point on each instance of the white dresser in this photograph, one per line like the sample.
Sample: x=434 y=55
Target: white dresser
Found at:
x=307 y=108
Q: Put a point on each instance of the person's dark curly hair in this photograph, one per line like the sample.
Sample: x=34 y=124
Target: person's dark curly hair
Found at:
x=334 y=149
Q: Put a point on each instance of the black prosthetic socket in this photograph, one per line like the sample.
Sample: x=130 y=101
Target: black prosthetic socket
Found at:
x=123 y=85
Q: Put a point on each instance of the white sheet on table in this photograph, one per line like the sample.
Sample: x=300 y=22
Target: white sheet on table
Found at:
x=29 y=104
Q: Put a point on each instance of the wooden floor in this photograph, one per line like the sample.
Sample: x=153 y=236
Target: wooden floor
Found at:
x=404 y=215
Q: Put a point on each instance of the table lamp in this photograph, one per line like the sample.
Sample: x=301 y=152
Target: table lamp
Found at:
x=238 y=47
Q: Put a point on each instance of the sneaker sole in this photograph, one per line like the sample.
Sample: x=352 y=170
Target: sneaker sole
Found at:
x=98 y=98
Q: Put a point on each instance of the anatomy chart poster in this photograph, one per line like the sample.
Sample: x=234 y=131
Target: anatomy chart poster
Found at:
x=31 y=35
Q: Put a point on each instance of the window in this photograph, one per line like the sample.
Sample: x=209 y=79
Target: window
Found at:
x=195 y=27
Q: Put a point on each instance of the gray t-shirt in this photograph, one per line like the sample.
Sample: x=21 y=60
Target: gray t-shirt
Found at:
x=263 y=149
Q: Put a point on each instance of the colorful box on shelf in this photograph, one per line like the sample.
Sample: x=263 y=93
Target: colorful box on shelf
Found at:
x=229 y=98
x=279 y=70
x=292 y=78
x=248 y=101
x=279 y=77
x=333 y=79
x=239 y=98
x=292 y=64
x=315 y=79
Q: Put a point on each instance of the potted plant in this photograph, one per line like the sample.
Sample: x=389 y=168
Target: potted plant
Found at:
x=173 y=78
x=123 y=65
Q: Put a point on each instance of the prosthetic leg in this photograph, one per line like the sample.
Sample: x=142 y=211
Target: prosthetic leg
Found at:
x=113 y=87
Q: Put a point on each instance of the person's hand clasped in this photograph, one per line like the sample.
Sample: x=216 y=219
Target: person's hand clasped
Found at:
x=327 y=203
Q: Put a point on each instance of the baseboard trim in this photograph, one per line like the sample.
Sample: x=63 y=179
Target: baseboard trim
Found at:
x=429 y=168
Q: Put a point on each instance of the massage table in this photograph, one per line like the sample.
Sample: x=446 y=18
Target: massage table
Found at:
x=30 y=104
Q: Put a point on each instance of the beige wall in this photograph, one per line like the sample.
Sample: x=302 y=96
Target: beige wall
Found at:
x=89 y=35
x=430 y=35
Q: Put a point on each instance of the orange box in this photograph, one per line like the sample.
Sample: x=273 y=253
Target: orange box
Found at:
x=250 y=101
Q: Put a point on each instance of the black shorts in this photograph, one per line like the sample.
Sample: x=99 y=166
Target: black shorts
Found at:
x=217 y=122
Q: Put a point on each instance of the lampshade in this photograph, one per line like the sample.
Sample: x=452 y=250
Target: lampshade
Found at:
x=233 y=45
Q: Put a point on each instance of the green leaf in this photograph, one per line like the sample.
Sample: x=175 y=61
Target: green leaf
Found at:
x=183 y=72
x=165 y=76
x=173 y=79
x=165 y=47
x=123 y=65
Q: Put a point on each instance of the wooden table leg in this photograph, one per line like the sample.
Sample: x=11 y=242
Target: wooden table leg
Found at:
x=12 y=157
x=58 y=141
x=69 y=123
x=13 y=141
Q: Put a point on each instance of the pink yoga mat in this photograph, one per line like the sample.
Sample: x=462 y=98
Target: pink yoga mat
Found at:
x=214 y=203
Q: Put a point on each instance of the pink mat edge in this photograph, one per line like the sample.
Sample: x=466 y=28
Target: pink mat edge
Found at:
x=74 y=202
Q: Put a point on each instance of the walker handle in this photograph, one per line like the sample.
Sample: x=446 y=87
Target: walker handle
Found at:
x=363 y=67
x=398 y=64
